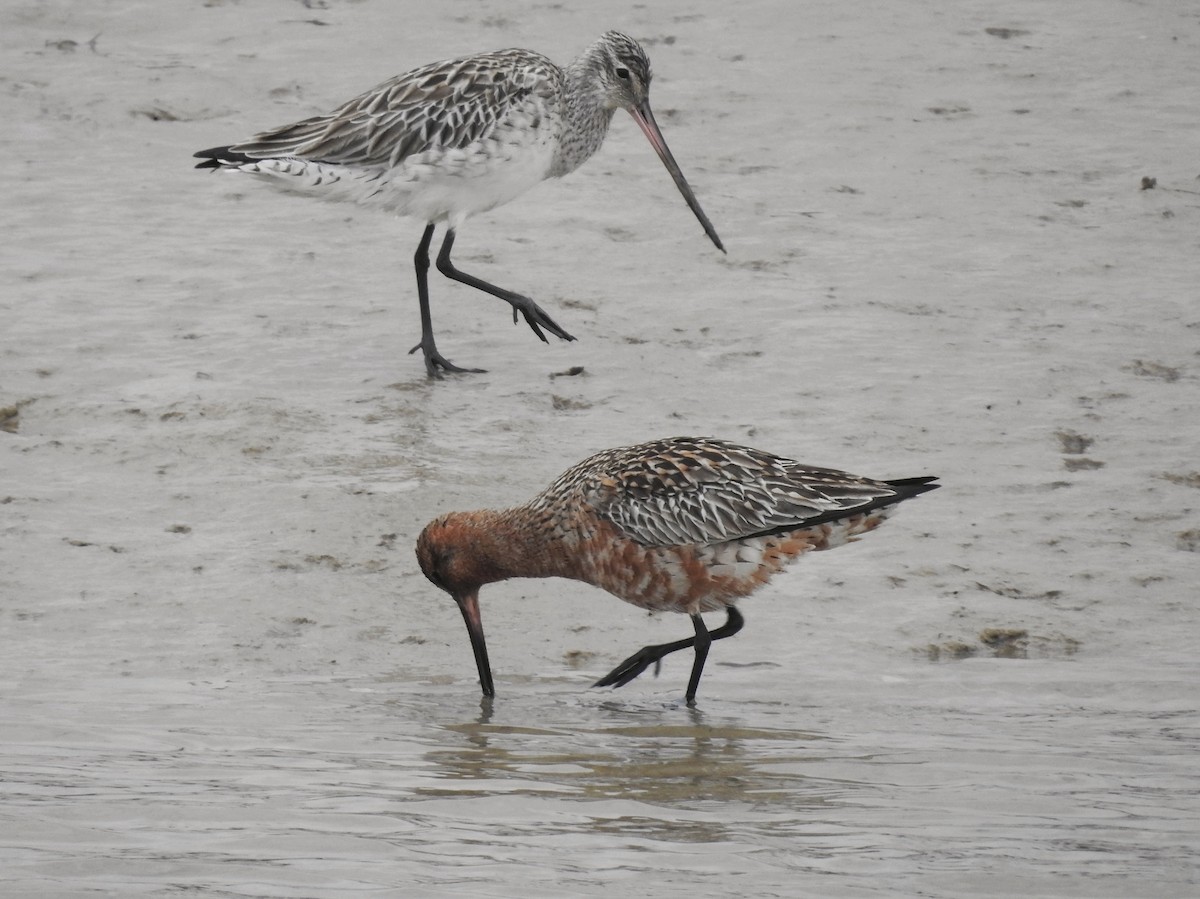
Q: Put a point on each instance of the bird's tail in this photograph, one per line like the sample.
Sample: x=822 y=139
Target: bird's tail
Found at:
x=908 y=487
x=221 y=158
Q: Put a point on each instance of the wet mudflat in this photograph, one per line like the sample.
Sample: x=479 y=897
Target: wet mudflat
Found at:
x=222 y=671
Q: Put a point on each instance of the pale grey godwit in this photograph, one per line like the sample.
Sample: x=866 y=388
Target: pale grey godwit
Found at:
x=454 y=138
x=685 y=524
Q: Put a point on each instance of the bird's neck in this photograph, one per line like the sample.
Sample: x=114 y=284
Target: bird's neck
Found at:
x=585 y=115
x=510 y=543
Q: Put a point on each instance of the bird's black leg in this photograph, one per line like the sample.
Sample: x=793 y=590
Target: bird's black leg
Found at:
x=703 y=641
x=535 y=317
x=652 y=655
x=435 y=362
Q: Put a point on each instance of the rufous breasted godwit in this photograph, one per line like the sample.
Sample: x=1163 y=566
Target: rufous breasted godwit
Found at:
x=451 y=139
x=686 y=524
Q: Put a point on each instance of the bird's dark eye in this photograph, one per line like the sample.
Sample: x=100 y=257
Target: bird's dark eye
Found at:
x=623 y=73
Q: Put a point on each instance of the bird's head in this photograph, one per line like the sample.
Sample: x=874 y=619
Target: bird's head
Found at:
x=453 y=559
x=622 y=71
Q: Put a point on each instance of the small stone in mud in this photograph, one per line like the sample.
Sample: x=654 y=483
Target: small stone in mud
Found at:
x=951 y=649
x=1005 y=33
x=1149 y=183
x=567 y=404
x=179 y=529
x=1188 y=541
x=577 y=658
x=950 y=111
x=569 y=373
x=1006 y=642
x=155 y=114
x=1074 y=444
x=993 y=636
x=10 y=419
x=1082 y=464
x=1191 y=479
x=324 y=559
x=1153 y=370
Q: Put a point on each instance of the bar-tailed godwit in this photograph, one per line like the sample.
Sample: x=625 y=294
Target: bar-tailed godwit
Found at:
x=686 y=524
x=455 y=138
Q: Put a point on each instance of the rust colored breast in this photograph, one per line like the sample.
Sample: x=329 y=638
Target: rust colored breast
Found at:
x=692 y=579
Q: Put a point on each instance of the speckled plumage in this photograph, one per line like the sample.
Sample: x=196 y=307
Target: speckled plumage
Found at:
x=439 y=143
x=456 y=138
x=683 y=524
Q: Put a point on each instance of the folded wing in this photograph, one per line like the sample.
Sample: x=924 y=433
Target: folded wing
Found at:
x=706 y=491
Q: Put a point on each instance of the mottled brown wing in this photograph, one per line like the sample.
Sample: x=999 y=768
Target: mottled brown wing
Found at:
x=702 y=491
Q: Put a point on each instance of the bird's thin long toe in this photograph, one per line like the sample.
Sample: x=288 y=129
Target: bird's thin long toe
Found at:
x=436 y=363
x=537 y=318
x=533 y=325
x=631 y=667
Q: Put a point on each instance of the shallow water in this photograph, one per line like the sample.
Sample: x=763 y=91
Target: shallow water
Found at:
x=984 y=778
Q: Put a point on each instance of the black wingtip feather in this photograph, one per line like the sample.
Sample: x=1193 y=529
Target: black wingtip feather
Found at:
x=219 y=157
x=906 y=488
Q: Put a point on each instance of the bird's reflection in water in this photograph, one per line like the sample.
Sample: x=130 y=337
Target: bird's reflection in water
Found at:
x=663 y=754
